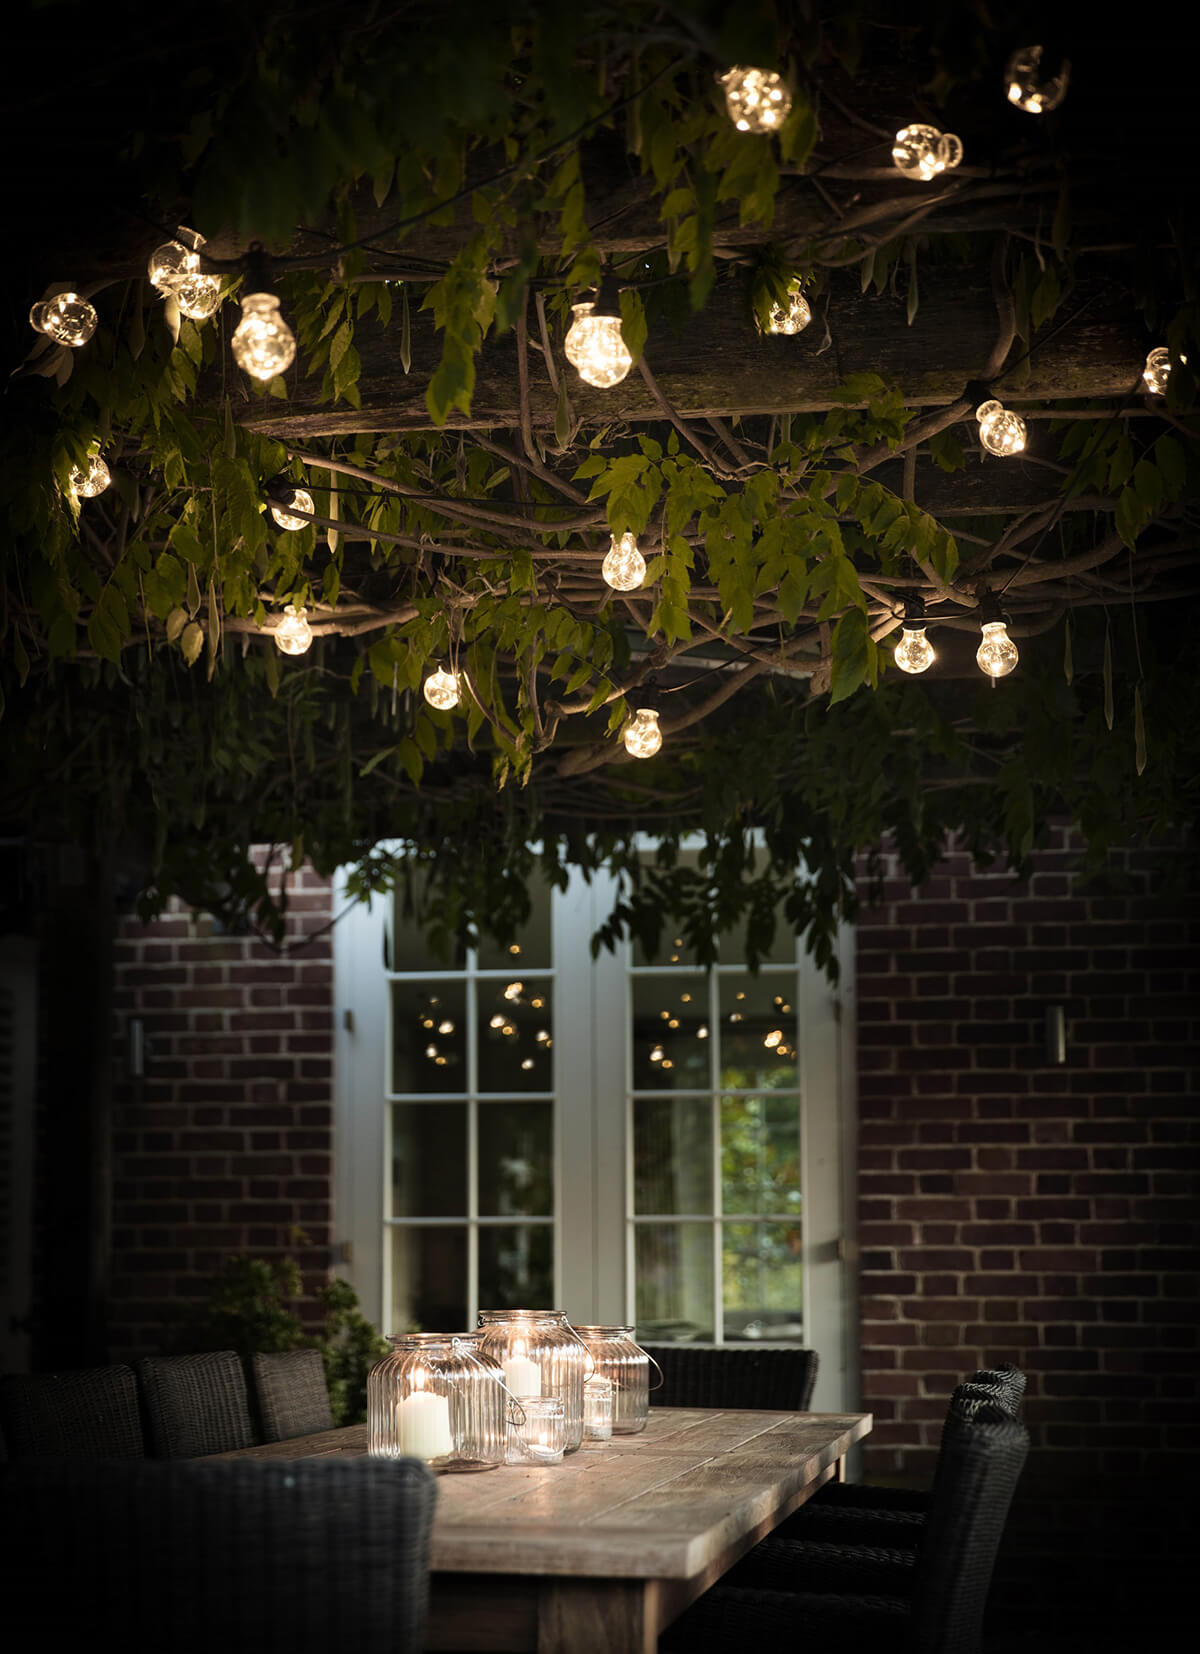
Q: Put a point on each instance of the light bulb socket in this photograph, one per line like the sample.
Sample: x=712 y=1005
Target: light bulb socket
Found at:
x=257 y=267
x=991 y=609
x=279 y=490
x=977 y=392
x=608 y=297
x=914 y=613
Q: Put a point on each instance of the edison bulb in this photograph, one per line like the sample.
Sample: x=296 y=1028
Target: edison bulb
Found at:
x=922 y=151
x=264 y=344
x=66 y=318
x=301 y=500
x=1157 y=371
x=997 y=654
x=1001 y=432
x=792 y=317
x=174 y=268
x=293 y=634
x=624 y=567
x=199 y=296
x=1027 y=89
x=87 y=484
x=914 y=652
x=758 y=100
x=441 y=689
x=641 y=735
x=595 y=347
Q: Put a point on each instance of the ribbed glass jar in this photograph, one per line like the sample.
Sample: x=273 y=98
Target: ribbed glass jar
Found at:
x=541 y=1355
x=620 y=1359
x=438 y=1397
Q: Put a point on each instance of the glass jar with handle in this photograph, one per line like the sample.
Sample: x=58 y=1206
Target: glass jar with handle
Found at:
x=620 y=1358
x=438 y=1397
x=540 y=1355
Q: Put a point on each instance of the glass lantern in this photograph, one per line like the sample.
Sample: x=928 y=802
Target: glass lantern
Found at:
x=619 y=1358
x=597 y=1409
x=438 y=1397
x=537 y=1431
x=541 y=1355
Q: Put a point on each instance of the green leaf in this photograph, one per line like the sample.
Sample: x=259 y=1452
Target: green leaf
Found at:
x=1128 y=517
x=176 y=621
x=192 y=642
x=230 y=432
x=633 y=323
x=855 y=656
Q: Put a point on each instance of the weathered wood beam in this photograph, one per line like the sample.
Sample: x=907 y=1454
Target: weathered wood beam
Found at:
x=718 y=366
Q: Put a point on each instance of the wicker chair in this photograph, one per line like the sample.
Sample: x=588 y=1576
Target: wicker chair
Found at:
x=982 y=1455
x=195 y=1404
x=247 y=1556
x=290 y=1393
x=90 y=1414
x=770 y=1376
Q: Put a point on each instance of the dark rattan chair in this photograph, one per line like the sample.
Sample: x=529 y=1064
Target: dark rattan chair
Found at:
x=777 y=1377
x=90 y=1414
x=195 y=1404
x=981 y=1458
x=302 y=1556
x=289 y=1389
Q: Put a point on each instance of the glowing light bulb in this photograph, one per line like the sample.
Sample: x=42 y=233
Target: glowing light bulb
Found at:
x=87 y=484
x=264 y=344
x=441 y=689
x=293 y=634
x=657 y=1054
x=1001 y=432
x=301 y=499
x=922 y=151
x=199 y=297
x=1157 y=371
x=624 y=567
x=792 y=317
x=914 y=652
x=758 y=100
x=997 y=654
x=641 y=735
x=1027 y=89
x=174 y=268
x=66 y=318
x=595 y=347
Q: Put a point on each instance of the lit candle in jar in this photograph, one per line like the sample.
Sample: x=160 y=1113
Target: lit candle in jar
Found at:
x=423 y=1425
x=522 y=1376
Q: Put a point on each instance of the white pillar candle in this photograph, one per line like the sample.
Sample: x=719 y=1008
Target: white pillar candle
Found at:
x=423 y=1425
x=523 y=1377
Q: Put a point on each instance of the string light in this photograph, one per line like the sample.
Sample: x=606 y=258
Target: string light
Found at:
x=641 y=735
x=922 y=151
x=997 y=653
x=174 y=268
x=85 y=485
x=1157 y=371
x=624 y=567
x=914 y=652
x=1000 y=432
x=1026 y=87
x=792 y=317
x=758 y=100
x=299 y=499
x=441 y=689
x=293 y=634
x=264 y=345
x=594 y=344
x=66 y=318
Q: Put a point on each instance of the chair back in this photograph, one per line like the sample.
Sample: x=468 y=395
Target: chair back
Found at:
x=195 y=1404
x=777 y=1377
x=290 y=1394
x=90 y=1414
x=1008 y=1382
x=245 y=1556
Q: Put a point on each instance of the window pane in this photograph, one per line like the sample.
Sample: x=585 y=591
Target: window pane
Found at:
x=515 y=1027
x=757 y=1031
x=429 y=1036
x=515 y=1159
x=516 y=1267
x=412 y=947
x=672 y=1154
x=531 y=949
x=762 y=1280
x=672 y=950
x=670 y=1033
x=673 y=1267
x=429 y=1160
x=429 y=1279
x=760 y=1153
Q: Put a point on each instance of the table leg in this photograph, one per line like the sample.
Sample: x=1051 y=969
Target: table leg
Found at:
x=591 y=1616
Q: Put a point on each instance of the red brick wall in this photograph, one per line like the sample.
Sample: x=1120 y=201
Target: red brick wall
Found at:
x=226 y=1145
x=1011 y=1210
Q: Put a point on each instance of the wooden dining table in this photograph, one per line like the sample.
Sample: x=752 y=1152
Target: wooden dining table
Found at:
x=598 y=1554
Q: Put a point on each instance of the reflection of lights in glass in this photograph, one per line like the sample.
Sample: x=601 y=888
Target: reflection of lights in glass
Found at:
x=664 y=1016
x=434 y=1000
x=1001 y=433
x=656 y=1054
x=497 y=1021
x=735 y=1016
x=537 y=1002
x=702 y=1032
x=667 y=1063
x=641 y=735
x=685 y=999
x=922 y=151
x=441 y=689
x=293 y=635
x=439 y=1062
x=1025 y=86
x=514 y=947
x=543 y=1036
x=431 y=1050
x=66 y=318
x=426 y=1022
x=741 y=996
x=785 y=1009
x=674 y=959
x=757 y=100
x=527 y=1063
x=673 y=1023
x=773 y=1039
x=446 y=1027
x=508 y=1030
x=514 y=990
x=624 y=567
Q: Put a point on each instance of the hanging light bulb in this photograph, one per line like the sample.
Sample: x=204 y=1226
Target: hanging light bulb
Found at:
x=758 y=100
x=1026 y=86
x=441 y=689
x=174 y=268
x=624 y=567
x=1157 y=371
x=997 y=654
x=922 y=151
x=1001 y=432
x=299 y=499
x=594 y=344
x=914 y=652
x=293 y=634
x=66 y=318
x=792 y=317
x=641 y=735
x=264 y=344
x=87 y=484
